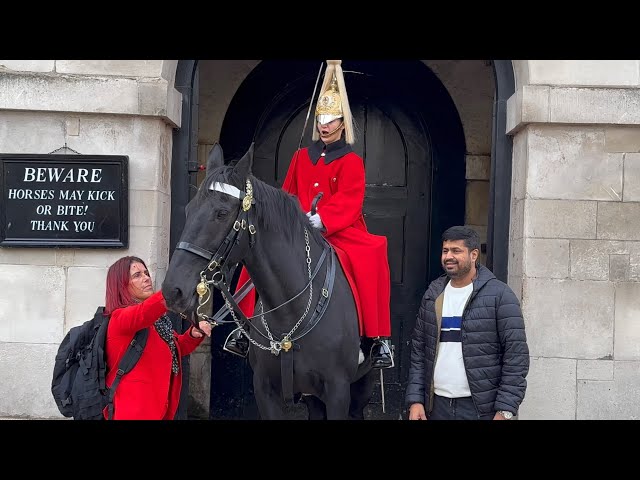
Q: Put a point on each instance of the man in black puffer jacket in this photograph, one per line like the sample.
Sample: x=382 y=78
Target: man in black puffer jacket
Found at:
x=469 y=353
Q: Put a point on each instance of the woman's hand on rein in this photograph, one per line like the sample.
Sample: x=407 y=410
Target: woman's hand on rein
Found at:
x=204 y=326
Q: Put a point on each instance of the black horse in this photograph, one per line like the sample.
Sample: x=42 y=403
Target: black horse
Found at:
x=306 y=343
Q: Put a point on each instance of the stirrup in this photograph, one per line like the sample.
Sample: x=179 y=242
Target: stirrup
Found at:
x=385 y=349
x=236 y=335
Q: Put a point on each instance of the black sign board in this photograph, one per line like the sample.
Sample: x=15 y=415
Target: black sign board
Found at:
x=64 y=201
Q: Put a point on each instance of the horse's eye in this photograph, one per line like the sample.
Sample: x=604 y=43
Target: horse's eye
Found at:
x=221 y=214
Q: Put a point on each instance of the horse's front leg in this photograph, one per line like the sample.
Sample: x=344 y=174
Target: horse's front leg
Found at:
x=268 y=399
x=337 y=397
x=361 y=393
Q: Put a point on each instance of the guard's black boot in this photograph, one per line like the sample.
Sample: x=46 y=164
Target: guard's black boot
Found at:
x=237 y=343
x=381 y=354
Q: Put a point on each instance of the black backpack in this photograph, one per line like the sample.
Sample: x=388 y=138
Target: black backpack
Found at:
x=80 y=368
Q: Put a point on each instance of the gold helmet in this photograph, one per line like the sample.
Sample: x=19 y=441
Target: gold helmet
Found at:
x=333 y=101
x=329 y=106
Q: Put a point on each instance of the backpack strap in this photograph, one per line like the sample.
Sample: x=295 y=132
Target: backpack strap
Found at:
x=127 y=362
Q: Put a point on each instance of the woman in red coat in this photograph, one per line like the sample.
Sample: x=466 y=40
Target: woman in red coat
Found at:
x=151 y=390
x=331 y=166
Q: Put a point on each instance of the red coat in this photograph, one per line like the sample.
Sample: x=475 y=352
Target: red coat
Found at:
x=149 y=391
x=363 y=255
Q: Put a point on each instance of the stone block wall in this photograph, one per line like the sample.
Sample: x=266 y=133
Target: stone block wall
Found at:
x=93 y=107
x=575 y=240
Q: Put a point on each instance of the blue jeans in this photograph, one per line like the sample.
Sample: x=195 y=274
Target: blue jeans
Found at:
x=461 y=408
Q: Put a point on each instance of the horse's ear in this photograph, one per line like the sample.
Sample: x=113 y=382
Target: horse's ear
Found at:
x=216 y=157
x=243 y=167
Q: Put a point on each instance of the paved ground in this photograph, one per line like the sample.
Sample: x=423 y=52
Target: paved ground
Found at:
x=29 y=418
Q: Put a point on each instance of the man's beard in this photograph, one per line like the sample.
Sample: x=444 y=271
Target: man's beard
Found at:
x=463 y=269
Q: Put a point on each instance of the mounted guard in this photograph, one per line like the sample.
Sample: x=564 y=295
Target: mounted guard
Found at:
x=328 y=180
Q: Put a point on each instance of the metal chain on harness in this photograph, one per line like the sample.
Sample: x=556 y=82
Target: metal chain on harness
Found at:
x=218 y=279
x=284 y=344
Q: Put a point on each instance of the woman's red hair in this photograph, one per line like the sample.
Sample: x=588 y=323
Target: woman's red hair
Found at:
x=118 y=277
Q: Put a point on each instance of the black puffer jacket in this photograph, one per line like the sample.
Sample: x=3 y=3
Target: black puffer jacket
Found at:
x=494 y=346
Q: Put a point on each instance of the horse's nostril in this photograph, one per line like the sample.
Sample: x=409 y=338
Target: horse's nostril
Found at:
x=171 y=295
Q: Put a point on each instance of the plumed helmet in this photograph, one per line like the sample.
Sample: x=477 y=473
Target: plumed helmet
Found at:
x=333 y=101
x=329 y=106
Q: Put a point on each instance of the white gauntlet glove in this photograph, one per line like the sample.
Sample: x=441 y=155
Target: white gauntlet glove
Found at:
x=315 y=221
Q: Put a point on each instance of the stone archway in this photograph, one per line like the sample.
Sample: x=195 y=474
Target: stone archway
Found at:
x=184 y=160
x=412 y=141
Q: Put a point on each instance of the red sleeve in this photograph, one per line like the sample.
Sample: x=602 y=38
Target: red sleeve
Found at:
x=289 y=185
x=345 y=206
x=128 y=320
x=188 y=343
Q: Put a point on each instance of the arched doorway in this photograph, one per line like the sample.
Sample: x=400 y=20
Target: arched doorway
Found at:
x=413 y=146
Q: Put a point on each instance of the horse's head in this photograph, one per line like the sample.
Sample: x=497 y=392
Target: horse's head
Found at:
x=210 y=220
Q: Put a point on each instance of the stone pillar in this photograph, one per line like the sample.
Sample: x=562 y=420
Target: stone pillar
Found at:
x=575 y=236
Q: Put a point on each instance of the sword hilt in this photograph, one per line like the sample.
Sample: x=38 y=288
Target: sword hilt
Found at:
x=315 y=201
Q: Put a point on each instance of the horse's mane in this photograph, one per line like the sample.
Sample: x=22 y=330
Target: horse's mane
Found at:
x=275 y=209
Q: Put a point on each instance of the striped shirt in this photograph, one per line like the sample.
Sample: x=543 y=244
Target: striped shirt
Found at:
x=450 y=377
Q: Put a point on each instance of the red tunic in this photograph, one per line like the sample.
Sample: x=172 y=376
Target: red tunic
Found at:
x=149 y=391
x=363 y=255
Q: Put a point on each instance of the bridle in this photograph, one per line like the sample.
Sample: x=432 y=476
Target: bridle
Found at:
x=219 y=267
x=221 y=270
